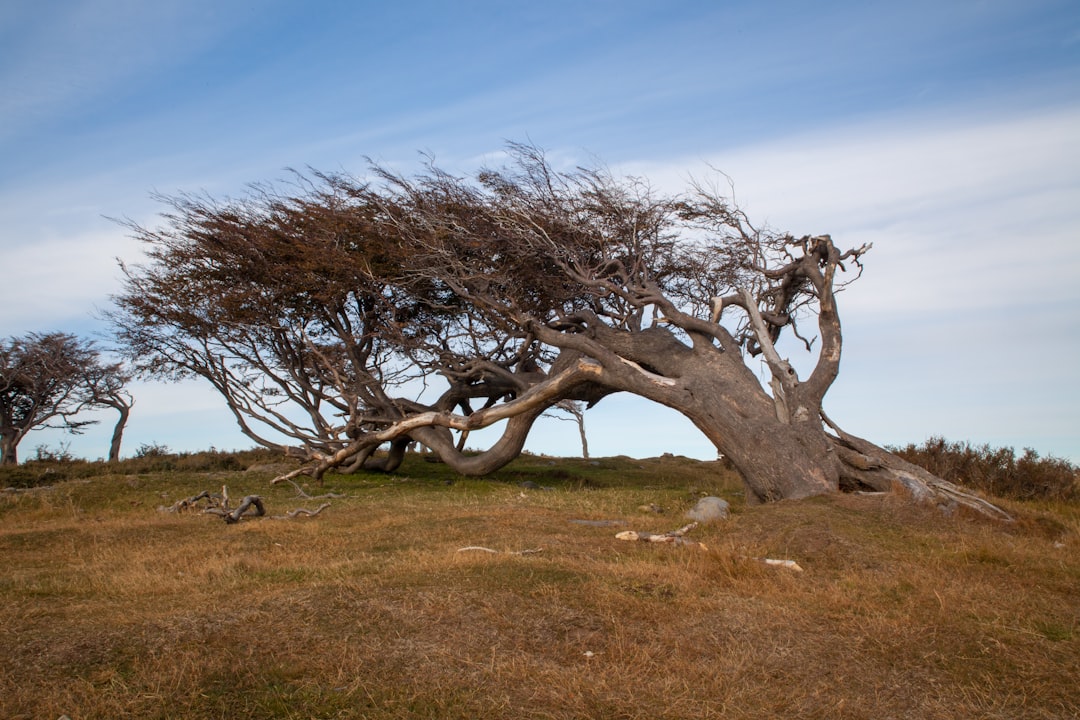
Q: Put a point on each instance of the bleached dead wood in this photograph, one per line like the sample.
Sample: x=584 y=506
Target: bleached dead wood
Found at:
x=301 y=511
x=233 y=516
x=478 y=548
x=675 y=537
x=250 y=506
x=885 y=472
x=788 y=564
x=191 y=502
x=301 y=493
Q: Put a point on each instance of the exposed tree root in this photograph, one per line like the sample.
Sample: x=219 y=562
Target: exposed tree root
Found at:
x=865 y=465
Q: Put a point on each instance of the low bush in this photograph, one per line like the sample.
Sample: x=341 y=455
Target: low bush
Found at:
x=52 y=466
x=997 y=471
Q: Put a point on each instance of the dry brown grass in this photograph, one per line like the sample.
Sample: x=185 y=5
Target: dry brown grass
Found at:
x=116 y=610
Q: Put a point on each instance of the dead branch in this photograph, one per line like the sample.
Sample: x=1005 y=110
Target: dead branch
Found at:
x=882 y=471
x=233 y=516
x=478 y=548
x=301 y=511
x=674 y=537
x=213 y=504
x=788 y=564
x=191 y=502
x=301 y=493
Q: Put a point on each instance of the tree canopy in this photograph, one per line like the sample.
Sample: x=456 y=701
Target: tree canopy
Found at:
x=346 y=314
x=47 y=379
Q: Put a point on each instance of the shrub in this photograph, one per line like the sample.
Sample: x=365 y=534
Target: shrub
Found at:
x=152 y=450
x=62 y=454
x=997 y=471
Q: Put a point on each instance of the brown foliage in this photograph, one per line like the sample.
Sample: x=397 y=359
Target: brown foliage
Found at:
x=47 y=379
x=997 y=471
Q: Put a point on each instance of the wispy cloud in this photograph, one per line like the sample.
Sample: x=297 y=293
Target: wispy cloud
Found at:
x=76 y=52
x=958 y=207
x=57 y=283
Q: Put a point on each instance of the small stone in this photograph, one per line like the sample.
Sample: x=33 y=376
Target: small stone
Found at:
x=709 y=509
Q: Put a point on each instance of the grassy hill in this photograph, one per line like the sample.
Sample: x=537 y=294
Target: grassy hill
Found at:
x=116 y=609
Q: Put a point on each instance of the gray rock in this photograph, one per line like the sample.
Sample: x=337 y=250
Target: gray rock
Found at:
x=709 y=509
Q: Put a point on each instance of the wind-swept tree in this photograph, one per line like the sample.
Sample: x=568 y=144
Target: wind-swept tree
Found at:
x=576 y=410
x=41 y=385
x=105 y=386
x=521 y=288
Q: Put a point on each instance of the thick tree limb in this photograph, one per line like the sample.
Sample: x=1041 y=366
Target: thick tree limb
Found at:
x=785 y=381
x=881 y=470
x=535 y=400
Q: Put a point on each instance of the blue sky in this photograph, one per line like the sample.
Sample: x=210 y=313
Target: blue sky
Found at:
x=946 y=133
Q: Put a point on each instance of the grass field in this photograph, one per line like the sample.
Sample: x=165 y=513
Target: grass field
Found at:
x=115 y=609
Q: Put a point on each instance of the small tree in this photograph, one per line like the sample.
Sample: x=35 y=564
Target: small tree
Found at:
x=105 y=386
x=42 y=384
x=576 y=410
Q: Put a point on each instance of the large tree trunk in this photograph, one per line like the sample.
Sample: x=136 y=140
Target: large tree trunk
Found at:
x=780 y=459
x=8 y=449
x=779 y=443
x=777 y=459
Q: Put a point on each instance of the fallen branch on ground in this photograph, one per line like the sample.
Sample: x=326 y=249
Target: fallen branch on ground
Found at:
x=301 y=493
x=214 y=504
x=533 y=551
x=789 y=564
x=301 y=511
x=675 y=537
x=233 y=516
x=191 y=502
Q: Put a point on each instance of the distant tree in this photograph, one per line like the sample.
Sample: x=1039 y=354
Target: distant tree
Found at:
x=105 y=386
x=576 y=410
x=41 y=385
x=329 y=312
x=46 y=380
